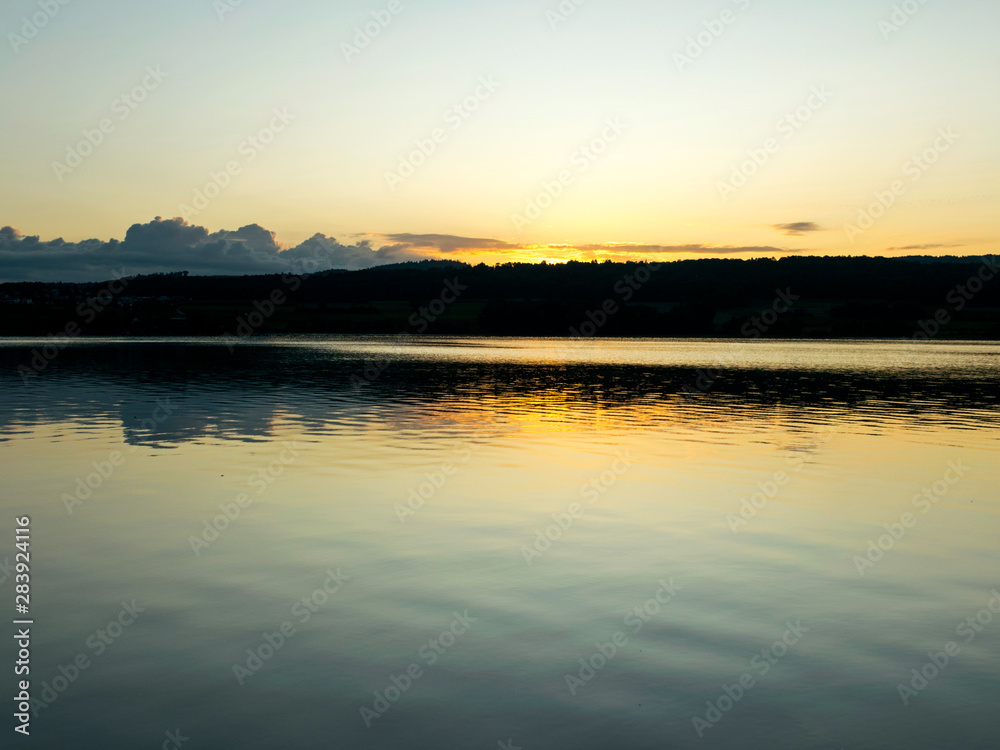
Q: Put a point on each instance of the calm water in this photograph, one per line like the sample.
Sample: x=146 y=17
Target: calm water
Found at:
x=577 y=497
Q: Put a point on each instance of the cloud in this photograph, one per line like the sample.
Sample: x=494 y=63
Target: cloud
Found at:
x=688 y=249
x=449 y=243
x=925 y=247
x=166 y=245
x=798 y=228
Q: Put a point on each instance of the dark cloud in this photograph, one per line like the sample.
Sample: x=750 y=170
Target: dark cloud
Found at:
x=798 y=227
x=449 y=243
x=174 y=245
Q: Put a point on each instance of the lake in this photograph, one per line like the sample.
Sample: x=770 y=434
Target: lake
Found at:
x=360 y=542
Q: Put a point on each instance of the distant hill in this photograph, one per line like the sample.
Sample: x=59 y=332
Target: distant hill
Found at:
x=423 y=265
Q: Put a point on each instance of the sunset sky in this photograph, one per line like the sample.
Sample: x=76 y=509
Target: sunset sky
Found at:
x=776 y=131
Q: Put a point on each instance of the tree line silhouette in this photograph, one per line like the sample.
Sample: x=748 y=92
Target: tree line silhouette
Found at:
x=955 y=298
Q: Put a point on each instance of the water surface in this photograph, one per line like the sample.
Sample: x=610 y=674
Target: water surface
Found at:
x=529 y=495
